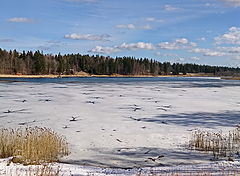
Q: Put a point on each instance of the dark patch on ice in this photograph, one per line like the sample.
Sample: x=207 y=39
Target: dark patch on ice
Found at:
x=162 y=109
x=45 y=100
x=16 y=111
x=26 y=123
x=92 y=90
x=201 y=119
x=119 y=140
x=90 y=102
x=23 y=101
x=61 y=87
x=155 y=159
x=130 y=117
x=65 y=127
x=3 y=116
x=73 y=119
x=147 y=98
x=40 y=93
x=164 y=122
x=86 y=93
x=97 y=97
x=136 y=109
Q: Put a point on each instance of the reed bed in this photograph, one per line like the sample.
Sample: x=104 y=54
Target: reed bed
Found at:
x=221 y=145
x=32 y=145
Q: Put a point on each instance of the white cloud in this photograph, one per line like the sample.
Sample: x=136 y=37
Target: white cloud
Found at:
x=166 y=54
x=124 y=46
x=202 y=39
x=20 y=20
x=105 y=50
x=236 y=58
x=152 y=19
x=232 y=50
x=168 y=7
x=195 y=58
x=232 y=36
x=103 y=37
x=127 y=26
x=209 y=5
x=181 y=43
x=235 y=3
x=158 y=53
x=146 y=27
x=132 y=26
x=135 y=46
x=48 y=45
x=7 y=40
x=181 y=59
x=81 y=0
x=208 y=52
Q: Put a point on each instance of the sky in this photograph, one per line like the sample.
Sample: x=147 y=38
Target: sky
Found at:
x=184 y=31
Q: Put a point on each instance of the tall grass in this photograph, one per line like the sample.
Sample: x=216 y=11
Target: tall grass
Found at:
x=32 y=145
x=221 y=145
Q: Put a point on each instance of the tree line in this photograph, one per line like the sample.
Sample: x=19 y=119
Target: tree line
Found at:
x=36 y=63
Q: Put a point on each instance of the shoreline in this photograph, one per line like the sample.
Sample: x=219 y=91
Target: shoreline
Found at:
x=102 y=76
x=230 y=78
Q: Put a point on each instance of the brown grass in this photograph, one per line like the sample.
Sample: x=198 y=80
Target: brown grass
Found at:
x=34 y=170
x=221 y=145
x=32 y=145
x=44 y=170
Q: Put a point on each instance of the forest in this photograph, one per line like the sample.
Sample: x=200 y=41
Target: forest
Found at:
x=38 y=63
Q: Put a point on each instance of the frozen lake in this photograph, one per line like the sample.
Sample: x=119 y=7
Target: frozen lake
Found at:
x=123 y=122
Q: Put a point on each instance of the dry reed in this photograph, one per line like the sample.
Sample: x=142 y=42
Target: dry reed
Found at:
x=32 y=145
x=44 y=170
x=34 y=170
x=222 y=145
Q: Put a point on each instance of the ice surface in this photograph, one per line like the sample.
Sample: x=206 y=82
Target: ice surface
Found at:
x=124 y=124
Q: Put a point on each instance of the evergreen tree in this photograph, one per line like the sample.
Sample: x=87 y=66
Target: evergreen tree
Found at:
x=13 y=62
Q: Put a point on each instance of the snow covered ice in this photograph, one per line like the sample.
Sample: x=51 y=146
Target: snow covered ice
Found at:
x=124 y=124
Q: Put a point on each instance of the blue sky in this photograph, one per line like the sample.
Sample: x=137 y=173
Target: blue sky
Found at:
x=192 y=31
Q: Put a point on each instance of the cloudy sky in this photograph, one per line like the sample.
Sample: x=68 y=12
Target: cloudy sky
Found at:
x=193 y=31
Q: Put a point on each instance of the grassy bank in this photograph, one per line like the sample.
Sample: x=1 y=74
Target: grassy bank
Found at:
x=231 y=78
